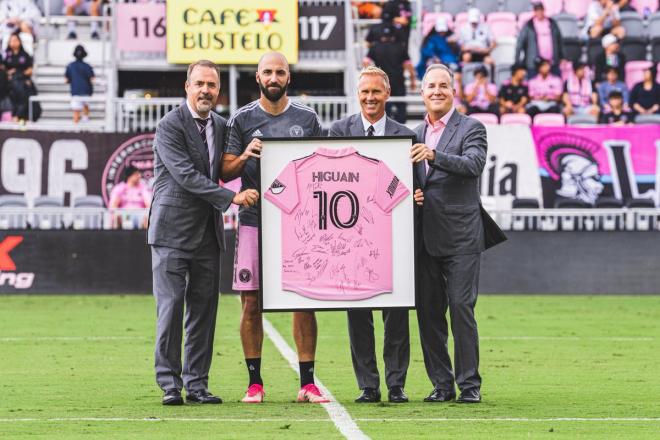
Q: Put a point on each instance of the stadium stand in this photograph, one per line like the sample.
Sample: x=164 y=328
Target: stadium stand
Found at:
x=515 y=118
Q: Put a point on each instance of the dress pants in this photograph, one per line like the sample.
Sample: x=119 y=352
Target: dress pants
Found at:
x=449 y=282
x=396 y=347
x=189 y=278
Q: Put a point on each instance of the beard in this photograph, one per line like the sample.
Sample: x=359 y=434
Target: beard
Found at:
x=273 y=97
x=203 y=106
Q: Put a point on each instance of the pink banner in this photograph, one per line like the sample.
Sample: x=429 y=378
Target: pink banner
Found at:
x=141 y=27
x=588 y=163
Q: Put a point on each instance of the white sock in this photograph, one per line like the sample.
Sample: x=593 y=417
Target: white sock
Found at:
x=95 y=26
x=71 y=26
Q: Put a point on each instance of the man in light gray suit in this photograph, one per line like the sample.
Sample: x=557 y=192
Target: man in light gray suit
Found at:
x=453 y=230
x=186 y=235
x=373 y=93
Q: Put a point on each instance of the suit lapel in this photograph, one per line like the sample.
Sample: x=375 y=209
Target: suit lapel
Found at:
x=449 y=131
x=217 y=147
x=192 y=130
x=357 y=129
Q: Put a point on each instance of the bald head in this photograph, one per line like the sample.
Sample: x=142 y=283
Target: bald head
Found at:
x=273 y=57
x=273 y=76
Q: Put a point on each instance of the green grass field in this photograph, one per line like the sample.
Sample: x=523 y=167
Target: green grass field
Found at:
x=553 y=367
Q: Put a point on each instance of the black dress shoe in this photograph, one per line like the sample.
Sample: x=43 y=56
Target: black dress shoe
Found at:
x=172 y=397
x=439 y=395
x=202 y=396
x=472 y=395
x=369 y=395
x=397 y=395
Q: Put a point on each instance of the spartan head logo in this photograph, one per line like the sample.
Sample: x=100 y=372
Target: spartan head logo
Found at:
x=137 y=152
x=570 y=159
x=277 y=187
x=244 y=275
x=296 y=131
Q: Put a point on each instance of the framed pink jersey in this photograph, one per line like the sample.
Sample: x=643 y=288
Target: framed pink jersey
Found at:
x=336 y=222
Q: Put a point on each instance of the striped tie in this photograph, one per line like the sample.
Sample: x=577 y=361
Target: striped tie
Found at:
x=201 y=126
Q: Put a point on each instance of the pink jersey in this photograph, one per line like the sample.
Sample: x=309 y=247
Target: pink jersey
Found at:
x=130 y=197
x=336 y=224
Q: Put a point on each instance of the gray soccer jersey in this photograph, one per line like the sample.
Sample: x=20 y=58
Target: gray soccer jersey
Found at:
x=252 y=121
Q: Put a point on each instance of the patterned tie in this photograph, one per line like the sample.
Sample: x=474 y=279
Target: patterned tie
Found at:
x=371 y=130
x=202 y=124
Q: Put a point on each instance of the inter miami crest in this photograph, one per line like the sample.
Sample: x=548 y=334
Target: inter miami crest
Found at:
x=277 y=187
x=244 y=275
x=296 y=131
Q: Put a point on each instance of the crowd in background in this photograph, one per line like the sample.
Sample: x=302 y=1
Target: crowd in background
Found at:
x=539 y=83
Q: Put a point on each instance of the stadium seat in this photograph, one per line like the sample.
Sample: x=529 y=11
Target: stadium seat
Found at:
x=430 y=18
x=485 y=118
x=554 y=119
x=467 y=72
x=460 y=20
x=574 y=222
x=635 y=72
x=641 y=221
x=502 y=73
x=502 y=24
x=523 y=18
x=521 y=222
x=654 y=36
x=634 y=44
x=570 y=33
x=486 y=6
x=610 y=222
x=644 y=7
x=577 y=7
x=46 y=219
x=517 y=6
x=12 y=220
x=652 y=119
x=505 y=50
x=553 y=7
x=91 y=218
x=594 y=48
x=582 y=120
x=516 y=118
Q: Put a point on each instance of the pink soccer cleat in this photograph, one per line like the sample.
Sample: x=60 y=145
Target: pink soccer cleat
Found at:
x=310 y=393
x=255 y=394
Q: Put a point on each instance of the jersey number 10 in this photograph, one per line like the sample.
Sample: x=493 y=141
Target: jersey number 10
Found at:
x=334 y=214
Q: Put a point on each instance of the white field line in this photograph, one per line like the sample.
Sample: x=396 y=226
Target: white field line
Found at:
x=366 y=420
x=338 y=414
x=483 y=338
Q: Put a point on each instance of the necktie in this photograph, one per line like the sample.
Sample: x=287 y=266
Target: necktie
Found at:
x=371 y=130
x=202 y=124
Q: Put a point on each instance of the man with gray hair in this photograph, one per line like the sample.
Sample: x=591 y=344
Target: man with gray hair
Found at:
x=373 y=93
x=186 y=234
x=450 y=154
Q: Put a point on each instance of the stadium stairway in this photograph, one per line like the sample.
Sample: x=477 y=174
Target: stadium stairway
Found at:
x=51 y=58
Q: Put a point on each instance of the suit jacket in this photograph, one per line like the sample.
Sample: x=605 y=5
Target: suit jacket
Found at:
x=452 y=219
x=186 y=190
x=352 y=126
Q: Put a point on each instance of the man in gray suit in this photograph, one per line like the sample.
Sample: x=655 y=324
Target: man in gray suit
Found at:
x=373 y=93
x=186 y=235
x=454 y=230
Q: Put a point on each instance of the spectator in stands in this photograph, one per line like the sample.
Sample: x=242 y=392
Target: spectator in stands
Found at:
x=132 y=193
x=19 y=16
x=390 y=55
x=616 y=115
x=480 y=94
x=5 y=101
x=514 y=93
x=603 y=18
x=580 y=96
x=91 y=8
x=540 y=37
x=611 y=83
x=376 y=31
x=19 y=70
x=544 y=90
x=438 y=47
x=645 y=95
x=400 y=14
x=368 y=10
x=611 y=57
x=476 y=40
x=80 y=75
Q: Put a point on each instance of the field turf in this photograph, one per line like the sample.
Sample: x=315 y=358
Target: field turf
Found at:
x=557 y=367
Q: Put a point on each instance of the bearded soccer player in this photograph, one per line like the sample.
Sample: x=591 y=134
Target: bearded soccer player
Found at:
x=272 y=115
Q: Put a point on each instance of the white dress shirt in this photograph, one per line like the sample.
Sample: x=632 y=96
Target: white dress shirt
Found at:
x=379 y=125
